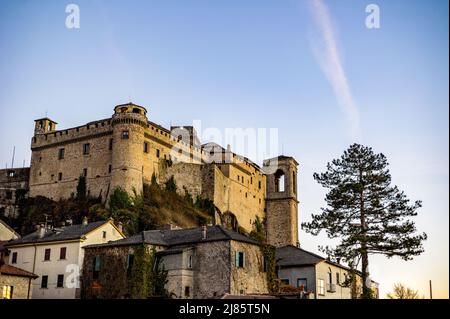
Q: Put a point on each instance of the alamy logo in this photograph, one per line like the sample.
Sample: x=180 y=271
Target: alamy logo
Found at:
x=373 y=19
x=73 y=279
x=73 y=19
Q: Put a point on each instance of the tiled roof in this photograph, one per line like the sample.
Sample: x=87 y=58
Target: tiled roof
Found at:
x=294 y=256
x=180 y=237
x=60 y=234
x=14 y=271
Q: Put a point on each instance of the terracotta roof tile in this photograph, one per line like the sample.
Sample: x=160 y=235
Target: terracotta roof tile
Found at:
x=14 y=271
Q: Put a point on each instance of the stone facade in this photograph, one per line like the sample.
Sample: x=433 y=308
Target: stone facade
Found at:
x=195 y=269
x=13 y=183
x=282 y=203
x=20 y=286
x=127 y=149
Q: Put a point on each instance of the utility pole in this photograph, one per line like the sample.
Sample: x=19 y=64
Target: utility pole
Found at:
x=431 y=291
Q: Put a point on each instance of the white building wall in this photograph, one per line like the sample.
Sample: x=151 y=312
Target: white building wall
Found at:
x=31 y=258
x=315 y=272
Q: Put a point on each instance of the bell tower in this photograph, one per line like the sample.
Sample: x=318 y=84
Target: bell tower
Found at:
x=44 y=125
x=281 y=201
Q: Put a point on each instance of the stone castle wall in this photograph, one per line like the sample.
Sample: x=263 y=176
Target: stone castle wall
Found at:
x=57 y=177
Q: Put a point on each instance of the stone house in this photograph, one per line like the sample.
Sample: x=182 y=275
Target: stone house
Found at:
x=56 y=256
x=13 y=186
x=202 y=262
x=15 y=283
x=319 y=277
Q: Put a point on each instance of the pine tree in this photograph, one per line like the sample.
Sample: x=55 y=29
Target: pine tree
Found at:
x=81 y=188
x=365 y=212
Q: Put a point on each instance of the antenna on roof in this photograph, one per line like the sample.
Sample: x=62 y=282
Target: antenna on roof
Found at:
x=14 y=153
x=46 y=113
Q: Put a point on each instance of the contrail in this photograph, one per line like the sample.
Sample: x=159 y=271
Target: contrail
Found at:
x=327 y=55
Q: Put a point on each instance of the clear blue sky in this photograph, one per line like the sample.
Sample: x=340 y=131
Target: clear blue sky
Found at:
x=251 y=64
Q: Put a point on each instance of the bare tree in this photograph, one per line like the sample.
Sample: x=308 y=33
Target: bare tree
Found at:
x=403 y=292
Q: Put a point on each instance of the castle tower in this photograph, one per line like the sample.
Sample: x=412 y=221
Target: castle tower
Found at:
x=281 y=201
x=44 y=125
x=129 y=122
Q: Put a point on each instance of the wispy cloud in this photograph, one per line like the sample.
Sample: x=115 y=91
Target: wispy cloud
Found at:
x=325 y=49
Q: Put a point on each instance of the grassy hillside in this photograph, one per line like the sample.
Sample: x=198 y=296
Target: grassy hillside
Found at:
x=154 y=207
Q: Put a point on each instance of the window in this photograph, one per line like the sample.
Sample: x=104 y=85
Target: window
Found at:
x=321 y=287
x=190 y=261
x=47 y=254
x=279 y=181
x=130 y=260
x=62 y=253
x=109 y=168
x=7 y=292
x=294 y=186
x=8 y=194
x=259 y=185
x=86 y=149
x=60 y=282
x=302 y=283
x=338 y=280
x=104 y=235
x=330 y=276
x=265 y=264
x=157 y=153
x=285 y=281
x=59 y=176
x=61 y=153
x=125 y=135
x=14 y=258
x=110 y=144
x=145 y=147
x=187 y=291
x=11 y=173
x=85 y=172
x=240 y=259
x=96 y=267
x=136 y=110
x=44 y=281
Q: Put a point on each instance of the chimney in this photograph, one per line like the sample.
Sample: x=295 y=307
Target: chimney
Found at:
x=204 y=229
x=41 y=230
x=85 y=221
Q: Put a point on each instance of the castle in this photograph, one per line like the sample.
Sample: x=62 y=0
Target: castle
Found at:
x=127 y=149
